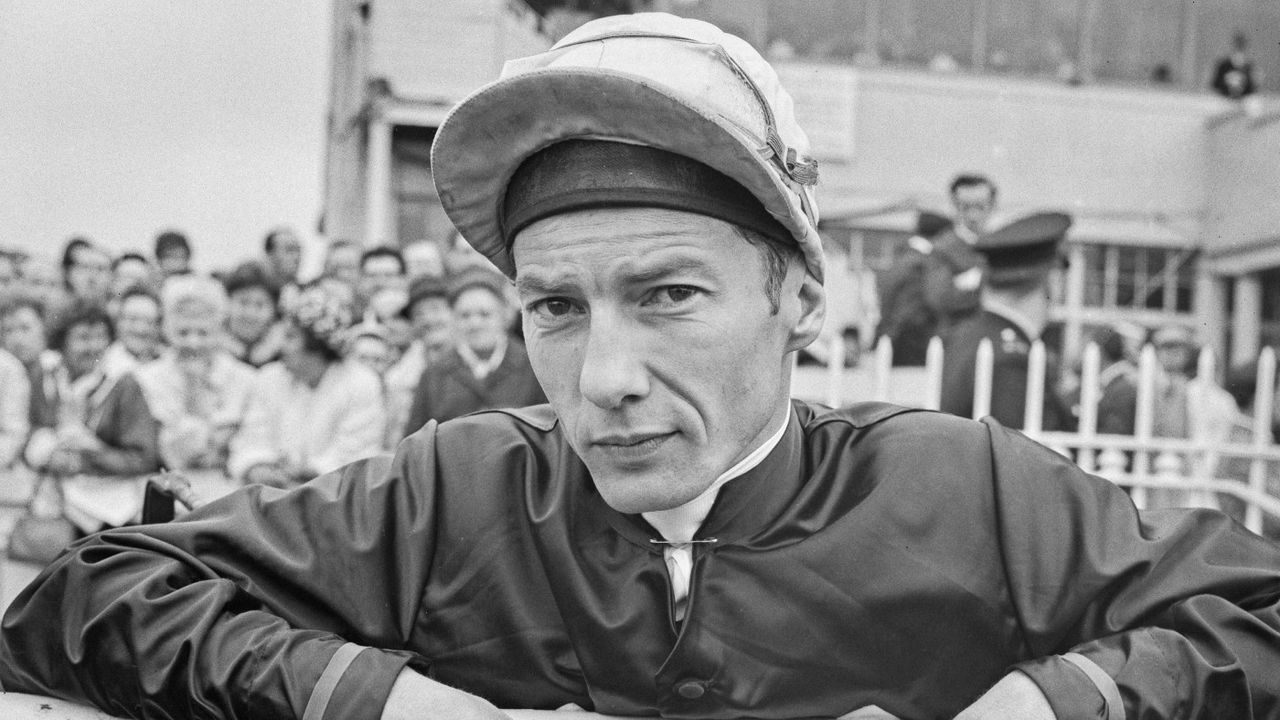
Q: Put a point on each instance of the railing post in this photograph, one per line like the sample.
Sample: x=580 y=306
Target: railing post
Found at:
x=982 y=371
x=835 y=372
x=1090 y=394
x=1262 y=408
x=884 y=368
x=1033 y=410
x=933 y=360
x=1144 y=421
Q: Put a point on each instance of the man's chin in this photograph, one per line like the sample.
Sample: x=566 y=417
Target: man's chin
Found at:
x=633 y=495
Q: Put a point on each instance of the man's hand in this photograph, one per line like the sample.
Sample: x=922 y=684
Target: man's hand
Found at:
x=415 y=697
x=1015 y=696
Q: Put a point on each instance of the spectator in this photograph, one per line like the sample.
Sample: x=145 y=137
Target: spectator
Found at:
x=311 y=412
x=905 y=318
x=196 y=391
x=485 y=368
x=254 y=334
x=1242 y=383
x=22 y=333
x=342 y=262
x=42 y=280
x=9 y=275
x=173 y=253
x=86 y=272
x=283 y=255
x=382 y=280
x=1190 y=407
x=1117 y=384
x=137 y=333
x=371 y=347
x=432 y=325
x=1233 y=74
x=1014 y=313
x=953 y=278
x=15 y=406
x=423 y=258
x=128 y=271
x=104 y=439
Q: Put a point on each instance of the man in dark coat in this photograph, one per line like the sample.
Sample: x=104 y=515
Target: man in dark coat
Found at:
x=671 y=536
x=484 y=369
x=905 y=318
x=1014 y=313
x=954 y=270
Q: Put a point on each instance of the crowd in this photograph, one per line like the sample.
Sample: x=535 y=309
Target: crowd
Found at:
x=116 y=366
x=965 y=280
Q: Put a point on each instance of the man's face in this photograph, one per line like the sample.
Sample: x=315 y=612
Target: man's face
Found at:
x=342 y=263
x=250 y=313
x=193 y=331
x=974 y=205
x=286 y=254
x=22 y=333
x=432 y=321
x=423 y=259
x=89 y=275
x=84 y=347
x=174 y=261
x=139 y=325
x=652 y=336
x=380 y=272
x=480 y=318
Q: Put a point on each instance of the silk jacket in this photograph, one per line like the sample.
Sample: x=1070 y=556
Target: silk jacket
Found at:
x=905 y=559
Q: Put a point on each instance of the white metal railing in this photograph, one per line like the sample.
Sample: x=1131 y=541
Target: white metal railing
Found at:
x=1200 y=470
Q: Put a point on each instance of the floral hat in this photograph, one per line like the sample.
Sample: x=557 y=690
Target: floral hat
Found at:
x=324 y=311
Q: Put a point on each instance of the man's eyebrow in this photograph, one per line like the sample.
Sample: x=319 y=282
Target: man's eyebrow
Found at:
x=653 y=272
x=535 y=285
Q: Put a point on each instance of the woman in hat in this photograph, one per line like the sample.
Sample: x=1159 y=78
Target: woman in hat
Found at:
x=311 y=412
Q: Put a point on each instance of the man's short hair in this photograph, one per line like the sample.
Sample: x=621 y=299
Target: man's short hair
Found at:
x=171 y=241
x=80 y=313
x=126 y=257
x=383 y=251
x=973 y=180
x=269 y=242
x=251 y=275
x=776 y=256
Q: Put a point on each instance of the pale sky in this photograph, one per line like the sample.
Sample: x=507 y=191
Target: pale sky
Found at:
x=121 y=118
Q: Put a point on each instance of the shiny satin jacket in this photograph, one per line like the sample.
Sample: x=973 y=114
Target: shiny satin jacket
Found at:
x=877 y=556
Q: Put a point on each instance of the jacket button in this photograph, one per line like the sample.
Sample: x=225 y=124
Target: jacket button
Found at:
x=691 y=690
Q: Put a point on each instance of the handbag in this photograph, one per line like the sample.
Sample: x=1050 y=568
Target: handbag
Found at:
x=38 y=538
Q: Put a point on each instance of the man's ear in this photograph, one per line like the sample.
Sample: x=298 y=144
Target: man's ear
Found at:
x=813 y=310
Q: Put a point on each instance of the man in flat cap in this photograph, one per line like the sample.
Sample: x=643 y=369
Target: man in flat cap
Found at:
x=671 y=536
x=1013 y=313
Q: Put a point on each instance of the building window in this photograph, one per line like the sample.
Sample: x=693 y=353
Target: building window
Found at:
x=418 y=212
x=1139 y=278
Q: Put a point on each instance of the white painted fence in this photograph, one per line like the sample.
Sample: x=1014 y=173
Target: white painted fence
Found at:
x=1204 y=469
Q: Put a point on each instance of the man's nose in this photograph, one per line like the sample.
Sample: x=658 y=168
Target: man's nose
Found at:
x=613 y=367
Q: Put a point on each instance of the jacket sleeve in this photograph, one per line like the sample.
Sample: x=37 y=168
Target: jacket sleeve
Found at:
x=129 y=432
x=205 y=617
x=1166 y=614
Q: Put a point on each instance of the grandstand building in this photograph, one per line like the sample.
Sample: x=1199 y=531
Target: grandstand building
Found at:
x=1173 y=189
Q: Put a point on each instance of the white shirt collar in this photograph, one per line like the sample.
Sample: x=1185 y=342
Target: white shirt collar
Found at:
x=679 y=524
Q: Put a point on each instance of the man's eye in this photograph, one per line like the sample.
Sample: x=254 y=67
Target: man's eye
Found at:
x=553 y=307
x=673 y=295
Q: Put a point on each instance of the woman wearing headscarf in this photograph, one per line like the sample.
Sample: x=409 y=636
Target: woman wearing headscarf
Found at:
x=311 y=412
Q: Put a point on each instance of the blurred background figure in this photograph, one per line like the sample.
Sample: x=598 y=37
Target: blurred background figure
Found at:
x=1233 y=75
x=1020 y=260
x=342 y=262
x=103 y=438
x=954 y=269
x=1190 y=407
x=86 y=272
x=22 y=333
x=486 y=368
x=311 y=412
x=137 y=332
x=905 y=317
x=431 y=322
x=283 y=251
x=1117 y=382
x=196 y=391
x=173 y=253
x=254 y=333
x=128 y=271
x=423 y=258
x=370 y=346
x=383 y=293
x=15 y=406
x=10 y=276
